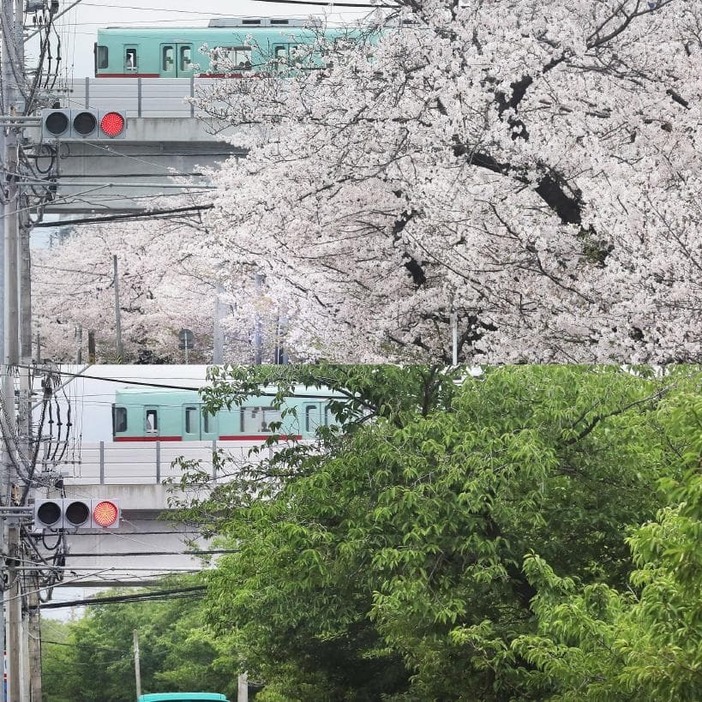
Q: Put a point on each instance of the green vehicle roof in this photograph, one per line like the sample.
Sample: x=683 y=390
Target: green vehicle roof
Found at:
x=182 y=697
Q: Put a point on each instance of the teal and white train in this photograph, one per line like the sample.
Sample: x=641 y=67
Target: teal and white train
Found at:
x=240 y=46
x=145 y=415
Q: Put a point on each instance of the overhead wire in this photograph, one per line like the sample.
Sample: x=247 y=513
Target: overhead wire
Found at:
x=169 y=386
x=151 y=214
x=128 y=598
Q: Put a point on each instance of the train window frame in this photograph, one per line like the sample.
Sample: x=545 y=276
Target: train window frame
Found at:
x=207 y=420
x=189 y=412
x=253 y=420
x=312 y=423
x=151 y=413
x=185 y=57
x=168 y=57
x=243 y=420
x=280 y=53
x=270 y=415
x=131 y=59
x=102 y=56
x=288 y=54
x=238 y=57
x=119 y=419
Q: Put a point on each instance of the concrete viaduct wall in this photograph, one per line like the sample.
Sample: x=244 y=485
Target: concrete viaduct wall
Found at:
x=168 y=142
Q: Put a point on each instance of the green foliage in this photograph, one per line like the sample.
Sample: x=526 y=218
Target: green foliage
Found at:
x=645 y=644
x=95 y=662
x=467 y=540
x=56 y=659
x=389 y=560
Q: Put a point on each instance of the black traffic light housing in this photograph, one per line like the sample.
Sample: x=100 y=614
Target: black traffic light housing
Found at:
x=83 y=124
x=74 y=513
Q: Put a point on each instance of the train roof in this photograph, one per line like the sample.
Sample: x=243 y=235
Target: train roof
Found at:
x=257 y=22
x=221 y=22
x=225 y=28
x=181 y=697
x=216 y=30
x=148 y=394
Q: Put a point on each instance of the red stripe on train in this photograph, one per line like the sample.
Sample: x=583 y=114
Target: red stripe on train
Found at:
x=259 y=437
x=147 y=438
x=238 y=437
x=127 y=75
x=158 y=75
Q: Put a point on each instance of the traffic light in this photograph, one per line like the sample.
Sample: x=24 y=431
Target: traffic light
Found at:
x=71 y=513
x=89 y=125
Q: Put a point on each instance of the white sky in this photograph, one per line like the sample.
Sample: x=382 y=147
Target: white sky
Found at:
x=77 y=28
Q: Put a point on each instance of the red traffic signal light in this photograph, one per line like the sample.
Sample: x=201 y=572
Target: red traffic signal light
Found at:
x=70 y=513
x=84 y=124
x=105 y=513
x=113 y=124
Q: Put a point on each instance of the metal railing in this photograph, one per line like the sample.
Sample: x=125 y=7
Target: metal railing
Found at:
x=140 y=97
x=149 y=463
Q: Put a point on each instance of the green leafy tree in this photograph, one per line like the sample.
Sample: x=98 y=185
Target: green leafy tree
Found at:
x=387 y=562
x=56 y=659
x=644 y=643
x=95 y=662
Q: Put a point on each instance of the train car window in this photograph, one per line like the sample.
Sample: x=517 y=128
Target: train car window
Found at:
x=257 y=420
x=238 y=56
x=311 y=418
x=101 y=57
x=185 y=58
x=280 y=54
x=130 y=59
x=270 y=415
x=167 y=58
x=207 y=422
x=119 y=419
x=191 y=420
x=151 y=421
x=248 y=420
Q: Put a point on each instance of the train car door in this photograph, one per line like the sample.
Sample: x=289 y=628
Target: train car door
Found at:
x=176 y=61
x=198 y=426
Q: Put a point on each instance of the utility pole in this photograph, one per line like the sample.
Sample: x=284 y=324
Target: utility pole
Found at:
x=13 y=329
x=137 y=663
x=218 y=336
x=118 y=313
x=258 y=324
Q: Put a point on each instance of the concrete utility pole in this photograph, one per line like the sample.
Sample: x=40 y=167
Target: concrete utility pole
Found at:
x=137 y=663
x=242 y=688
x=4 y=458
x=12 y=108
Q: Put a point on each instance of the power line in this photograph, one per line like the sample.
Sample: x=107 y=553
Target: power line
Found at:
x=157 y=553
x=329 y=4
x=122 y=599
x=162 y=386
x=121 y=380
x=131 y=216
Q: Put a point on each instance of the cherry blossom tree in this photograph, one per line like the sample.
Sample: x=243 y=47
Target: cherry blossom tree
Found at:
x=156 y=297
x=497 y=181
x=165 y=282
